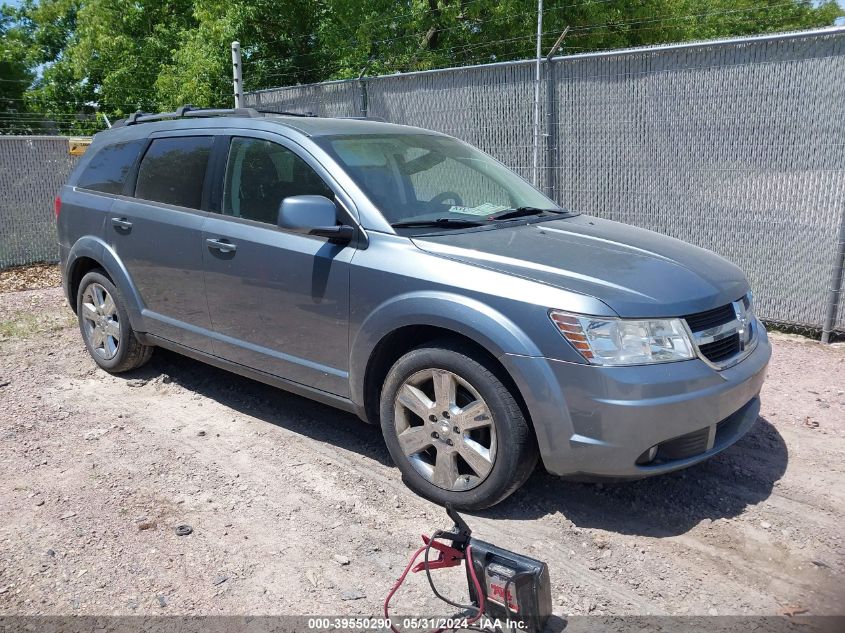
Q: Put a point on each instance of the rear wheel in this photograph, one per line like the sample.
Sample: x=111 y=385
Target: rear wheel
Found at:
x=105 y=326
x=454 y=429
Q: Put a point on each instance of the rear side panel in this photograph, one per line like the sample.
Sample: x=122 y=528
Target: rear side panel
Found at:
x=82 y=214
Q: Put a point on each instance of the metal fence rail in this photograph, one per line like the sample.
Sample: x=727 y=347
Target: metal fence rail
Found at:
x=734 y=145
x=32 y=170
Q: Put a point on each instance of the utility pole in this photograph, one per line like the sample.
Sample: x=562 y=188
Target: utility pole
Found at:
x=237 y=76
x=535 y=179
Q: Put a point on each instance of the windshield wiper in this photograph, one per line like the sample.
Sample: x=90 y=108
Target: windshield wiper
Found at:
x=439 y=222
x=521 y=212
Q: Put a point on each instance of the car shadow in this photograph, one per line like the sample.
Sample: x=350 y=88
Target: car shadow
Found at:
x=306 y=417
x=667 y=505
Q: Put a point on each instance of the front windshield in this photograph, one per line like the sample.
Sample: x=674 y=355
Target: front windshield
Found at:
x=423 y=179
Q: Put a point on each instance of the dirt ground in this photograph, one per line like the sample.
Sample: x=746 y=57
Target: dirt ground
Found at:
x=296 y=509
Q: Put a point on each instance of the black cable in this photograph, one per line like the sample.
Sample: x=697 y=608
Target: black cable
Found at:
x=507 y=602
x=440 y=534
x=477 y=609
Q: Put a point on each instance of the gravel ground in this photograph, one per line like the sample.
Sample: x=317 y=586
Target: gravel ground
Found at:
x=296 y=509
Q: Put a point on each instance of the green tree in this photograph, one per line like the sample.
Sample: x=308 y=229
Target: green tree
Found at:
x=279 y=37
x=115 y=56
x=416 y=35
x=15 y=76
x=120 y=48
x=101 y=56
x=65 y=101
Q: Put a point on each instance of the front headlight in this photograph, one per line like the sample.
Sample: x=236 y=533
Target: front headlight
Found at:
x=604 y=341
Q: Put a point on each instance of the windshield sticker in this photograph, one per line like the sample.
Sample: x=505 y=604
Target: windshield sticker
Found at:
x=488 y=208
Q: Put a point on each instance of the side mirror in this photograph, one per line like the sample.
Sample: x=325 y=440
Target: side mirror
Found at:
x=313 y=215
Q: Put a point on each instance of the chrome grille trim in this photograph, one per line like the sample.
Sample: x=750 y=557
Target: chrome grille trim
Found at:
x=744 y=324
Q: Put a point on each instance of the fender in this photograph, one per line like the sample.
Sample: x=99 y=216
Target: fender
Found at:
x=487 y=327
x=480 y=323
x=98 y=250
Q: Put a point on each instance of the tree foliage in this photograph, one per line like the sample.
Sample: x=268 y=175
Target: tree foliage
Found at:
x=116 y=56
x=15 y=75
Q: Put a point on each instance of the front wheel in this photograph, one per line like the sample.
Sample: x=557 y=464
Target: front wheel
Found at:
x=454 y=429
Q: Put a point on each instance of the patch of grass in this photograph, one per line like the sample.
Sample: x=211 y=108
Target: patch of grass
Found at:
x=25 y=325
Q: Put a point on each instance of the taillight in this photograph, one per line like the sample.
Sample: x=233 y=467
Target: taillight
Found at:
x=57 y=206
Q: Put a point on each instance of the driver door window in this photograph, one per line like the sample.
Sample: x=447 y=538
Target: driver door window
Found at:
x=260 y=174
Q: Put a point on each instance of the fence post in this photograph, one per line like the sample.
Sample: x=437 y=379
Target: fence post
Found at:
x=551 y=134
x=237 y=76
x=835 y=293
x=537 y=76
x=552 y=140
x=362 y=83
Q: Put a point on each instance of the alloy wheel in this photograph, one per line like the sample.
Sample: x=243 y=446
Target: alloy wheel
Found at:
x=445 y=429
x=101 y=321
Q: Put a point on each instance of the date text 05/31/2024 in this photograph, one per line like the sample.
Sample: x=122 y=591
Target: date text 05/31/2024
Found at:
x=410 y=623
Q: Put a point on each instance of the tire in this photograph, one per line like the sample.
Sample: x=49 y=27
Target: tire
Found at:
x=105 y=327
x=474 y=457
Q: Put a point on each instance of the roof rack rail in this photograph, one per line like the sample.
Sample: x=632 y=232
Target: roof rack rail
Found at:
x=287 y=113
x=186 y=111
x=378 y=119
x=189 y=111
x=311 y=114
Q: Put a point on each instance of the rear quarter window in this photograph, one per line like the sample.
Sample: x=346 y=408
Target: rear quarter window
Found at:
x=173 y=170
x=110 y=166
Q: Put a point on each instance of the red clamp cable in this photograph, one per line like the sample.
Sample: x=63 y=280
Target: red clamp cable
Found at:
x=447 y=556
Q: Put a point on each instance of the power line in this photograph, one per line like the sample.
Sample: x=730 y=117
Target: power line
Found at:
x=683 y=17
x=419 y=34
x=578 y=31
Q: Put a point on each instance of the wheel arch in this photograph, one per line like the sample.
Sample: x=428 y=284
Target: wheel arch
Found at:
x=81 y=267
x=406 y=322
x=90 y=253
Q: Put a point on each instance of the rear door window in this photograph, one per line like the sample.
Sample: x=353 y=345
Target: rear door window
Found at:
x=110 y=166
x=173 y=170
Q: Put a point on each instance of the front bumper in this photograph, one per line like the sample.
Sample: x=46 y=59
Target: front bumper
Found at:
x=598 y=421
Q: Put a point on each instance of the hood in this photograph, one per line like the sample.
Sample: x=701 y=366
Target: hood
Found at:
x=638 y=273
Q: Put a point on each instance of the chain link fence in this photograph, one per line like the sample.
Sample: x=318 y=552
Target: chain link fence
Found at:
x=32 y=170
x=733 y=145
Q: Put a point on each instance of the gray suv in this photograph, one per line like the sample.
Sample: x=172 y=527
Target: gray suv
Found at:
x=405 y=276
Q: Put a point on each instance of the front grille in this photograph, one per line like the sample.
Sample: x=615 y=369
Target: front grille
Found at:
x=711 y=318
x=728 y=325
x=722 y=349
x=687 y=445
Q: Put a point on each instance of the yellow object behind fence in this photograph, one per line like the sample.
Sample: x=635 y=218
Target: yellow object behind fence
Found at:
x=78 y=144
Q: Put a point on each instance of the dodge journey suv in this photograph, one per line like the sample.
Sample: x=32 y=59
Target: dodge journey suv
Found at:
x=405 y=276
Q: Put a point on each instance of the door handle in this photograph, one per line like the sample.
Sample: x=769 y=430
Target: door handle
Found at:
x=121 y=223
x=221 y=245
